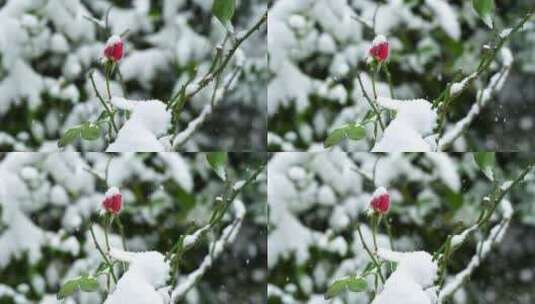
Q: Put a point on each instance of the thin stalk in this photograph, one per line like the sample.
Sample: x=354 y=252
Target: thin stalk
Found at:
x=371 y=103
x=106 y=260
x=107 y=72
x=108 y=110
x=372 y=257
x=389 y=79
x=376 y=221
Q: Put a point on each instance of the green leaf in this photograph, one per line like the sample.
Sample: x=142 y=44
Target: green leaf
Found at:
x=217 y=161
x=369 y=267
x=334 y=138
x=355 y=132
x=90 y=131
x=484 y=9
x=357 y=284
x=68 y=289
x=486 y=162
x=88 y=284
x=68 y=137
x=85 y=283
x=102 y=267
x=336 y=288
x=350 y=131
x=224 y=10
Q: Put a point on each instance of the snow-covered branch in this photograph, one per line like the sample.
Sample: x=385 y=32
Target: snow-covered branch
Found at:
x=227 y=236
x=194 y=125
x=484 y=96
x=483 y=249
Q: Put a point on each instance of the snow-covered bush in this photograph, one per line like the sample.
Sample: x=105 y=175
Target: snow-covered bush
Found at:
x=132 y=228
x=440 y=59
x=440 y=220
x=60 y=68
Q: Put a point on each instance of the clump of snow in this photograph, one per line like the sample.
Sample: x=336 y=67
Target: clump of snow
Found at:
x=506 y=32
x=415 y=119
x=458 y=239
x=445 y=169
x=140 y=133
x=415 y=272
x=457 y=87
x=147 y=271
x=122 y=103
x=379 y=39
x=112 y=191
x=379 y=191
x=446 y=17
x=113 y=40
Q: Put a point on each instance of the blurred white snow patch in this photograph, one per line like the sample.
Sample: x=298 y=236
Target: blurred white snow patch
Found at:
x=68 y=18
x=140 y=133
x=122 y=103
x=446 y=170
x=145 y=65
x=21 y=236
x=335 y=18
x=390 y=16
x=446 y=17
x=179 y=169
x=147 y=271
x=414 y=120
x=21 y=83
x=290 y=84
x=415 y=272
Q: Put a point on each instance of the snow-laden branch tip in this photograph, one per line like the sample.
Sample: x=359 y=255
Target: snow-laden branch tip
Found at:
x=483 y=249
x=495 y=84
x=228 y=236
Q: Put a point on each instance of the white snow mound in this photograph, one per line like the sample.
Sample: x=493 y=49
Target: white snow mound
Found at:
x=140 y=133
x=414 y=120
x=415 y=272
x=147 y=271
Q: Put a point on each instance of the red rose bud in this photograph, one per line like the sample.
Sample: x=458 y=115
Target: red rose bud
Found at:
x=379 y=49
x=380 y=202
x=113 y=50
x=113 y=201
